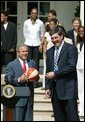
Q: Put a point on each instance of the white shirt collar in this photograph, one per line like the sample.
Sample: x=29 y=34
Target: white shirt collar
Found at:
x=35 y=21
x=5 y=25
x=21 y=61
x=75 y=36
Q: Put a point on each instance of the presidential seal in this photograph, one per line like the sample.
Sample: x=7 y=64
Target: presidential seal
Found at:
x=8 y=91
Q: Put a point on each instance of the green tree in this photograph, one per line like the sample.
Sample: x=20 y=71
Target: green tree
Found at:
x=77 y=11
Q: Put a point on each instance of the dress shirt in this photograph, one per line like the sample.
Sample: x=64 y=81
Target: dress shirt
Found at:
x=57 y=49
x=21 y=61
x=33 y=32
x=68 y=40
x=75 y=36
x=5 y=25
x=49 y=41
x=60 y=47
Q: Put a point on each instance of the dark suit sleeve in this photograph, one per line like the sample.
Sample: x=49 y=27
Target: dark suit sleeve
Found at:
x=71 y=65
x=10 y=75
x=14 y=36
x=48 y=82
x=70 y=34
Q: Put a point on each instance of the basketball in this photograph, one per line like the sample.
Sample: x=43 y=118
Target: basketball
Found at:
x=32 y=74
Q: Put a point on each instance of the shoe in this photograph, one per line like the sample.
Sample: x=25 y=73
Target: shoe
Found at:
x=52 y=115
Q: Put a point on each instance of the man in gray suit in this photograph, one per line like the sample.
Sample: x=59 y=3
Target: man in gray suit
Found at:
x=15 y=75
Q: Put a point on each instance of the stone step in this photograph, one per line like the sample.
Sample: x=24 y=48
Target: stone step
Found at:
x=41 y=98
x=43 y=116
x=47 y=107
x=39 y=90
x=46 y=116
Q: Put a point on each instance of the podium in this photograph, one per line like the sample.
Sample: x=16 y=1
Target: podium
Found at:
x=10 y=101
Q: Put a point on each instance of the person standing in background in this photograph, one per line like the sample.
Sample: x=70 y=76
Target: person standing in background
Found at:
x=72 y=34
x=33 y=31
x=52 y=25
x=51 y=15
x=47 y=43
x=8 y=39
x=80 y=69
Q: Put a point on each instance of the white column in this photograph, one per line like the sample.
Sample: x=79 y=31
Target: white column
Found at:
x=21 y=17
x=82 y=11
x=1 y=112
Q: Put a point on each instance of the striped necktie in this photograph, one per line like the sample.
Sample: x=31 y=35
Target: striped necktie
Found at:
x=56 y=56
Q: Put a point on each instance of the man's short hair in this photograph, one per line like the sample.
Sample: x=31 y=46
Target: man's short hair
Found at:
x=20 y=45
x=6 y=13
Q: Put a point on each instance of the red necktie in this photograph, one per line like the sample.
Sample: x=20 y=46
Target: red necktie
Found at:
x=24 y=66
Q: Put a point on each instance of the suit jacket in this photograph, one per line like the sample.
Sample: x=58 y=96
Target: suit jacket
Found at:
x=8 y=37
x=80 y=61
x=13 y=72
x=65 y=81
x=70 y=34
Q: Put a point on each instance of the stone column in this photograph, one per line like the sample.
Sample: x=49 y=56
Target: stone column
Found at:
x=82 y=11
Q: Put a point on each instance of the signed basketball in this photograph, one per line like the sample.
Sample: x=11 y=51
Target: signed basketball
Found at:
x=32 y=74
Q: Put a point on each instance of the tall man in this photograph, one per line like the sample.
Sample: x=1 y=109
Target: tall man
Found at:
x=61 y=82
x=8 y=39
x=15 y=75
x=33 y=32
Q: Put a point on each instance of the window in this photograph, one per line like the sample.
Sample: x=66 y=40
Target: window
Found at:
x=2 y=5
x=30 y=6
x=42 y=6
x=11 y=6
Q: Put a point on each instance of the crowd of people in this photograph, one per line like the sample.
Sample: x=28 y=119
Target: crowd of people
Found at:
x=64 y=79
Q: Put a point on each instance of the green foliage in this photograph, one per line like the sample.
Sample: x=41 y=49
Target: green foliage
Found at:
x=77 y=11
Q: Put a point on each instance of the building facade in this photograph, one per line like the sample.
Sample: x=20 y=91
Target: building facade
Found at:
x=20 y=11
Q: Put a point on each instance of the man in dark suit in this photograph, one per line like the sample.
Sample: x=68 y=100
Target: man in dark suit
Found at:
x=61 y=82
x=15 y=75
x=8 y=39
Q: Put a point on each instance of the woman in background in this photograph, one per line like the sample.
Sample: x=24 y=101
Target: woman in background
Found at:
x=72 y=34
x=80 y=69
